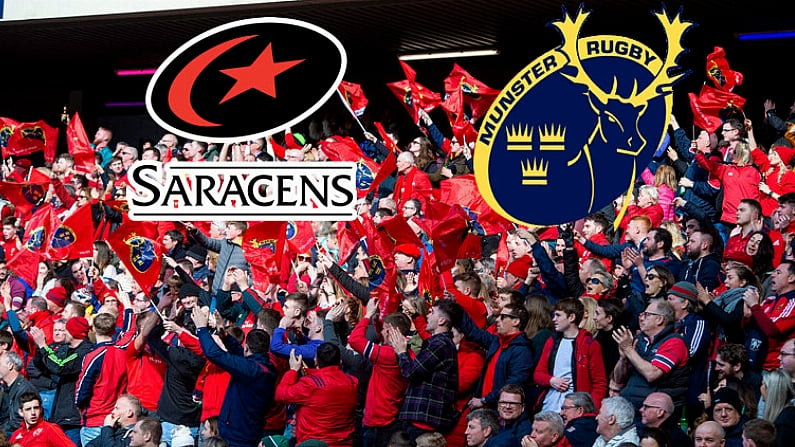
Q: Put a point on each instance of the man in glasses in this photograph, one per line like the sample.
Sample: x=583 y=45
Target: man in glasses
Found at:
x=657 y=361
x=657 y=411
x=571 y=360
x=733 y=132
x=579 y=414
x=508 y=353
x=129 y=155
x=513 y=419
x=774 y=314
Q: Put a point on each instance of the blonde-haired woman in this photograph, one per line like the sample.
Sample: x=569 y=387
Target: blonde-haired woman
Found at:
x=588 y=321
x=740 y=180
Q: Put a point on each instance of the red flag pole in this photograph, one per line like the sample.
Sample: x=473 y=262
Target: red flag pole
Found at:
x=348 y=106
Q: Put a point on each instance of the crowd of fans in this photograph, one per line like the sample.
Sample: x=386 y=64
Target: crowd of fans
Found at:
x=671 y=326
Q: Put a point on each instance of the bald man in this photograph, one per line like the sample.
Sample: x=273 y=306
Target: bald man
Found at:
x=709 y=434
x=657 y=411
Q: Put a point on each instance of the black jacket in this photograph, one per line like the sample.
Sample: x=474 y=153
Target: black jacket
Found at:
x=112 y=437
x=176 y=404
x=67 y=366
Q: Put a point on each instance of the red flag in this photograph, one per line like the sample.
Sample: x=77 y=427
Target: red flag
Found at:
x=396 y=230
x=278 y=149
x=74 y=237
x=384 y=171
x=428 y=284
x=354 y=96
x=263 y=246
x=463 y=130
x=385 y=138
x=723 y=77
x=447 y=226
x=79 y=146
x=414 y=95
x=476 y=94
x=25 y=264
x=39 y=229
x=300 y=236
x=463 y=190
x=368 y=173
x=25 y=138
x=454 y=104
x=349 y=237
x=24 y=195
x=503 y=255
x=382 y=273
x=341 y=149
x=36 y=176
x=708 y=105
x=141 y=255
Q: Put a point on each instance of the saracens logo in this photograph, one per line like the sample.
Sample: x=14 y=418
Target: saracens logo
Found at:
x=246 y=79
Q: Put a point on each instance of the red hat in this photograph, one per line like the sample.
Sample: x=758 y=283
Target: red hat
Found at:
x=23 y=163
x=519 y=268
x=77 y=327
x=785 y=153
x=408 y=250
x=57 y=295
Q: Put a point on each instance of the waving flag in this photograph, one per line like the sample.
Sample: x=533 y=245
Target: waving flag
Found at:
x=718 y=71
x=462 y=190
x=477 y=95
x=354 y=96
x=300 y=236
x=39 y=229
x=25 y=138
x=503 y=255
x=448 y=227
x=349 y=237
x=24 y=195
x=263 y=247
x=141 y=255
x=413 y=95
x=385 y=138
x=73 y=238
x=708 y=105
x=79 y=146
x=25 y=264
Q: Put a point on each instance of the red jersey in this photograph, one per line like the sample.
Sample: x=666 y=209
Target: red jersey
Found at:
x=145 y=375
x=43 y=434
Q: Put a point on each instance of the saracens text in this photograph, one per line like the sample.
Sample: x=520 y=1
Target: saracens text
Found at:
x=242 y=191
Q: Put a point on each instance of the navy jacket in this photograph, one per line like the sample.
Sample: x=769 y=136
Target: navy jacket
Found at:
x=514 y=365
x=581 y=432
x=250 y=391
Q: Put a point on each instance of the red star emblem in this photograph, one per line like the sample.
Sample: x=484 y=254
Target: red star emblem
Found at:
x=260 y=75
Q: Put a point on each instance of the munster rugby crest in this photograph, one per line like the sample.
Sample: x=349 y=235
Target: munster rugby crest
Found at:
x=574 y=128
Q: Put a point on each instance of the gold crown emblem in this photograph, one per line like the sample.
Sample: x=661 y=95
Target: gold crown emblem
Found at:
x=550 y=137
x=535 y=172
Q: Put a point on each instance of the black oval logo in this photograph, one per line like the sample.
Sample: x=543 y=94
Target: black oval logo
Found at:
x=246 y=79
